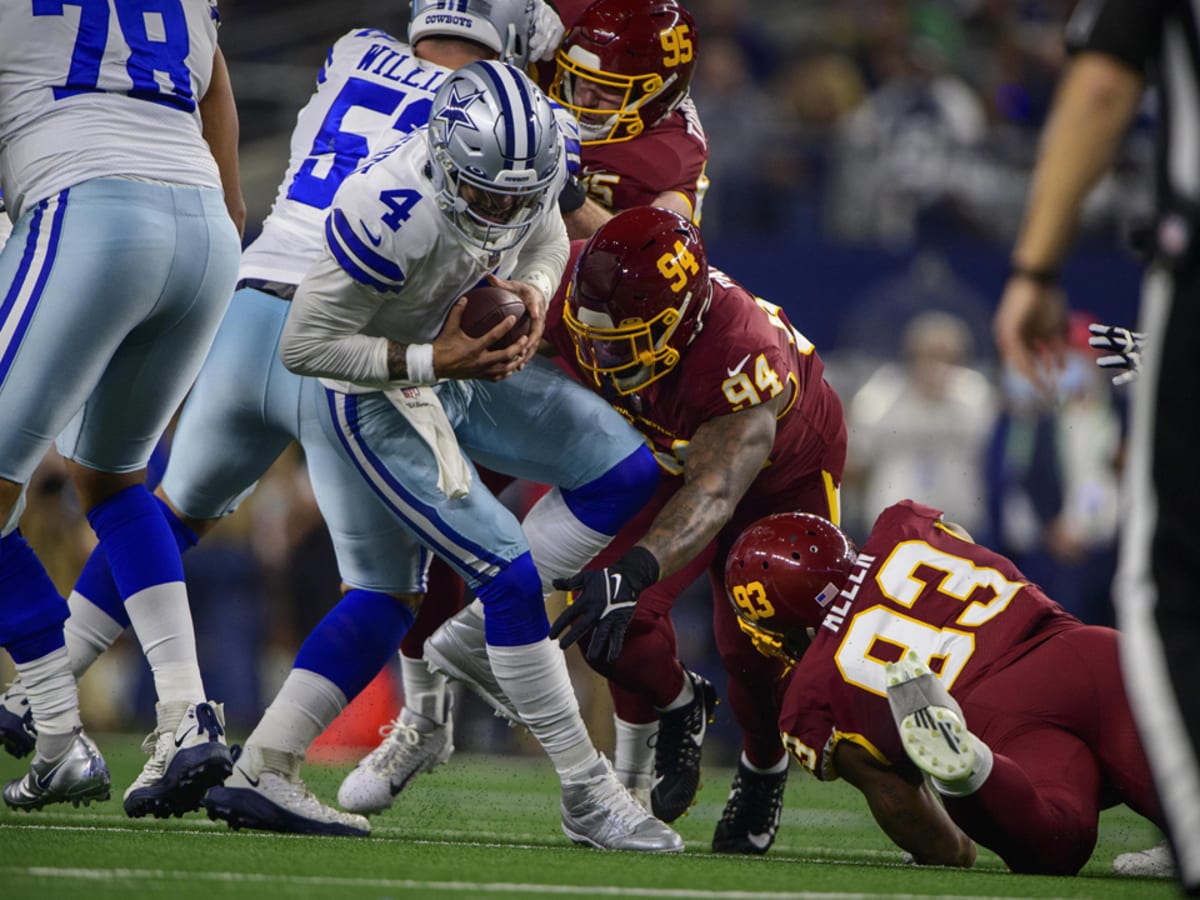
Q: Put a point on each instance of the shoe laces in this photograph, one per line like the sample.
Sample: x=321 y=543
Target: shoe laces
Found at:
x=158 y=744
x=400 y=743
x=605 y=790
x=676 y=747
x=754 y=802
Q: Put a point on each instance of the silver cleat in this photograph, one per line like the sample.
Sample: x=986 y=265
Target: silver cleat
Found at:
x=599 y=811
x=458 y=650
x=78 y=776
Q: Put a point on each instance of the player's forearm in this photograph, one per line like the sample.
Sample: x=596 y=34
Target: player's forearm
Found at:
x=1093 y=107
x=219 y=126
x=917 y=823
x=583 y=222
x=725 y=455
x=543 y=259
x=322 y=338
x=685 y=525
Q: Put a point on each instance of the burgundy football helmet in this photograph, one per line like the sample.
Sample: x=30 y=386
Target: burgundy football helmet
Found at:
x=624 y=66
x=781 y=575
x=637 y=297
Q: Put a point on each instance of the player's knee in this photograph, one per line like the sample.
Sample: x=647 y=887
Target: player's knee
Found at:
x=514 y=611
x=606 y=503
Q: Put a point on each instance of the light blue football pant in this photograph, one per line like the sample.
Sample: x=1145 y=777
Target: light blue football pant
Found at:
x=110 y=293
x=374 y=478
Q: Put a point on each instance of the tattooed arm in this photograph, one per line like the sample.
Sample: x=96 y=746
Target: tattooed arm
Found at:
x=725 y=455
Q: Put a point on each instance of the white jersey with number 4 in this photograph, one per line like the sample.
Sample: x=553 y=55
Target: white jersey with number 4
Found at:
x=103 y=88
x=370 y=92
x=392 y=266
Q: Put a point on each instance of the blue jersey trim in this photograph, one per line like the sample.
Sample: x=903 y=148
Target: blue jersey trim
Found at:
x=43 y=275
x=357 y=258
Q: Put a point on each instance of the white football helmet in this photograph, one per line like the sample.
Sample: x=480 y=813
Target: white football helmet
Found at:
x=497 y=153
x=505 y=26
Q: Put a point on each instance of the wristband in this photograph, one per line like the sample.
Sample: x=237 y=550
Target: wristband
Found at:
x=418 y=363
x=639 y=566
x=572 y=196
x=1047 y=277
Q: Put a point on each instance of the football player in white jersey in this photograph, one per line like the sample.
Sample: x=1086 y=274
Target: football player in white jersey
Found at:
x=119 y=133
x=413 y=400
x=246 y=407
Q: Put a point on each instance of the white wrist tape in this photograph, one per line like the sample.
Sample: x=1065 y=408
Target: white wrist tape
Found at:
x=418 y=360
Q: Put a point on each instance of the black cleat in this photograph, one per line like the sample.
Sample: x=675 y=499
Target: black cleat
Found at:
x=752 y=813
x=677 y=751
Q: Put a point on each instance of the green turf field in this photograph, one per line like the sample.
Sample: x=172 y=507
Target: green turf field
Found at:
x=488 y=828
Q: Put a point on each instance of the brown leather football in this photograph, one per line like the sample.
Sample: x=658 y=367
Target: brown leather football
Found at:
x=487 y=307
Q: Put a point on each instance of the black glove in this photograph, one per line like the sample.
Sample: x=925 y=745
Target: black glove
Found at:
x=1125 y=347
x=604 y=601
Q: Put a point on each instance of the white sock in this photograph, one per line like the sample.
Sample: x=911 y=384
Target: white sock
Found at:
x=770 y=770
x=163 y=622
x=634 y=757
x=534 y=676
x=89 y=632
x=304 y=707
x=561 y=545
x=964 y=787
x=426 y=695
x=685 y=696
x=50 y=686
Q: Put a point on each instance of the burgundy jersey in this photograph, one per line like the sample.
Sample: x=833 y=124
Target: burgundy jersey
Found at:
x=968 y=611
x=668 y=157
x=746 y=353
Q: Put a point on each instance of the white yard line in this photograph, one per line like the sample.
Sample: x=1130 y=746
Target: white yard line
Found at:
x=135 y=875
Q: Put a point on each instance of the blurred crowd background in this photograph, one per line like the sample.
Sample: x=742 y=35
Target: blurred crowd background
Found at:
x=869 y=164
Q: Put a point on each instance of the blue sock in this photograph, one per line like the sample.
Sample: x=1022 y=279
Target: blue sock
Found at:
x=95 y=582
x=355 y=640
x=513 y=606
x=141 y=547
x=30 y=605
x=611 y=500
x=37 y=645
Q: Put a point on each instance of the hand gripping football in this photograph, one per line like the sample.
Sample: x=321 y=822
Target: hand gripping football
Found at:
x=487 y=307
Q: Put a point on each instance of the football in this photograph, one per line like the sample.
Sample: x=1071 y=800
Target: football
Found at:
x=487 y=307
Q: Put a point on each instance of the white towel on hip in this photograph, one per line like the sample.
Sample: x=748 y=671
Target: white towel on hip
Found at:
x=421 y=406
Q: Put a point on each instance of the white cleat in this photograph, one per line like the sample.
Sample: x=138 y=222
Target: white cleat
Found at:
x=1155 y=862
x=265 y=792
x=599 y=811
x=931 y=724
x=188 y=755
x=382 y=774
x=458 y=650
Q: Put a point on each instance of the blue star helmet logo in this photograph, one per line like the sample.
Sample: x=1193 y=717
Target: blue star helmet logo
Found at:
x=454 y=113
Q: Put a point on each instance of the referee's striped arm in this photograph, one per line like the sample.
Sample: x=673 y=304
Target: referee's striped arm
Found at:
x=358 y=257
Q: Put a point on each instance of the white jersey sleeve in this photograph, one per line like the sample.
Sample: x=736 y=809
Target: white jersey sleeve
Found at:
x=371 y=91
x=103 y=88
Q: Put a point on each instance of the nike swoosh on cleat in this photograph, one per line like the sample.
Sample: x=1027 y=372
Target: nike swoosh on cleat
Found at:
x=179 y=741
x=761 y=841
x=253 y=781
